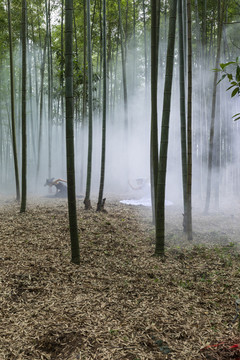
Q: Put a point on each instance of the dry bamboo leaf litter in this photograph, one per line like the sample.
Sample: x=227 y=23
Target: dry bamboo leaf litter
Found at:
x=121 y=303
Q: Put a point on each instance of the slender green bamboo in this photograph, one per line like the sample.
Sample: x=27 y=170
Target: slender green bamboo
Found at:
x=189 y=126
x=62 y=112
x=41 y=106
x=24 y=113
x=84 y=63
x=14 y=144
x=212 y=130
x=162 y=167
x=123 y=53
x=182 y=110
x=87 y=200
x=101 y=201
x=145 y=48
x=48 y=18
x=72 y=212
x=154 y=110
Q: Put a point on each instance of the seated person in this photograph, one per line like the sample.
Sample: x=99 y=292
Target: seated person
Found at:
x=61 y=189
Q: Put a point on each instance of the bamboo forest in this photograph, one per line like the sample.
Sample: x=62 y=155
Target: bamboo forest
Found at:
x=119 y=179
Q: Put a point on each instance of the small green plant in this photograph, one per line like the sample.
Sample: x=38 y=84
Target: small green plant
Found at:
x=226 y=259
x=113 y=331
x=233 y=77
x=186 y=284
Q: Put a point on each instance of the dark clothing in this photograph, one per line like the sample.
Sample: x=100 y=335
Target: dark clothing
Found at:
x=61 y=189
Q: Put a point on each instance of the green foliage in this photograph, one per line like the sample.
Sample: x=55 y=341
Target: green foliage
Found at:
x=3 y=30
x=233 y=76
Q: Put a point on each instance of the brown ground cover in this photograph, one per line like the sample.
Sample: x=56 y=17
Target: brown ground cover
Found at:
x=121 y=302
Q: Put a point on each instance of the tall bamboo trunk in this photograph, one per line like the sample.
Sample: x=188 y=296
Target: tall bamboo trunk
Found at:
x=182 y=110
x=154 y=110
x=162 y=166
x=87 y=200
x=24 y=113
x=72 y=211
x=145 y=50
x=14 y=144
x=123 y=52
x=212 y=125
x=48 y=16
x=189 y=126
x=62 y=112
x=101 y=201
x=40 y=130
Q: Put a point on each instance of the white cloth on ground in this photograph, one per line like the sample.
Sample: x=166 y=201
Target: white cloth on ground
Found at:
x=144 y=201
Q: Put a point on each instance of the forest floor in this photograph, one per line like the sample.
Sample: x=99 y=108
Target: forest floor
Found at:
x=121 y=302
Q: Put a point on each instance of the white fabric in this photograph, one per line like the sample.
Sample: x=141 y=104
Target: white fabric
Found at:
x=145 y=201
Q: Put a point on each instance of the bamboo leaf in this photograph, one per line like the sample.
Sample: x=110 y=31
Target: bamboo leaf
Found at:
x=228 y=63
x=230 y=87
x=238 y=73
x=235 y=91
x=222 y=78
x=236 y=115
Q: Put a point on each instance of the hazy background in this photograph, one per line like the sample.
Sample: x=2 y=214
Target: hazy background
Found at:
x=127 y=150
